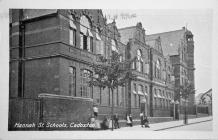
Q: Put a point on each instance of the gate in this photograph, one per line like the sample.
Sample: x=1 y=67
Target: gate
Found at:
x=25 y=112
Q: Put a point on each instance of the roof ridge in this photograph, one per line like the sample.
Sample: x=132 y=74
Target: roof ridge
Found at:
x=126 y=27
x=165 y=32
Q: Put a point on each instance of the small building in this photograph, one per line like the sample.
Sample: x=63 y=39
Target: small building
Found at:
x=204 y=98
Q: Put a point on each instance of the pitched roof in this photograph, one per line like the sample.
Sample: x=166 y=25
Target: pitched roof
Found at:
x=198 y=97
x=170 y=41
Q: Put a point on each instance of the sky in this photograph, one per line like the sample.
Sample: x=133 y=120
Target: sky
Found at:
x=198 y=21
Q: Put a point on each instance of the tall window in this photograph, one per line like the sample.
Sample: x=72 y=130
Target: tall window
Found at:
x=163 y=94
x=158 y=69
x=113 y=45
x=139 y=63
x=85 y=90
x=100 y=98
x=141 y=91
x=123 y=96
x=147 y=68
x=155 y=102
x=135 y=100
x=160 y=94
x=117 y=96
x=109 y=97
x=184 y=52
x=99 y=43
x=134 y=88
x=134 y=65
x=72 y=31
x=72 y=37
x=86 y=37
x=146 y=89
x=135 y=93
x=72 y=81
x=155 y=97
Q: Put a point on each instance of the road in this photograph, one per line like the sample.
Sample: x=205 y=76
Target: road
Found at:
x=196 y=124
x=202 y=126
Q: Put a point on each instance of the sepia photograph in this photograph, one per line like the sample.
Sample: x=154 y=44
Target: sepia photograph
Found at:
x=93 y=71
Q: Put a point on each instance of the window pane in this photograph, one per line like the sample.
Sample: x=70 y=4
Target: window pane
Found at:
x=113 y=46
x=72 y=25
x=84 y=42
x=134 y=87
x=81 y=41
x=72 y=37
x=86 y=91
x=91 y=44
x=72 y=81
x=101 y=45
x=88 y=44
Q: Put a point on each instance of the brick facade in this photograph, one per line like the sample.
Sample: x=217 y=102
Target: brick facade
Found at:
x=178 y=45
x=51 y=52
x=154 y=82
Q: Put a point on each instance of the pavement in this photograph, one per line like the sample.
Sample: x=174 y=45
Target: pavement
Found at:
x=166 y=125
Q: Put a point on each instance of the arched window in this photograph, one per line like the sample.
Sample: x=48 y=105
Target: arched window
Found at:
x=139 y=62
x=85 y=90
x=86 y=37
x=85 y=24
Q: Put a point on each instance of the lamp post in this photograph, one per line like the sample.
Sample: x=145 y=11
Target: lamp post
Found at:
x=185 y=91
x=174 y=108
x=185 y=113
x=176 y=103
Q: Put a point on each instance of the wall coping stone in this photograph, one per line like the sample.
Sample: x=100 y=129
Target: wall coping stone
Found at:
x=47 y=95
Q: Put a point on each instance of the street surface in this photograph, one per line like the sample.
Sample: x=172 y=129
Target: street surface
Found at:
x=196 y=124
x=202 y=126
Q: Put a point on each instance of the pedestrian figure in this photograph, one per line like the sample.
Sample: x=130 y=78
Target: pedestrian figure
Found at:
x=110 y=122
x=146 y=122
x=130 y=117
x=92 y=122
x=142 y=119
x=105 y=123
x=116 y=121
x=95 y=110
x=97 y=125
x=128 y=121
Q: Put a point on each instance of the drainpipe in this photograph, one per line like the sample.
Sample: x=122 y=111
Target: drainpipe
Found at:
x=151 y=79
x=21 y=66
x=128 y=57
